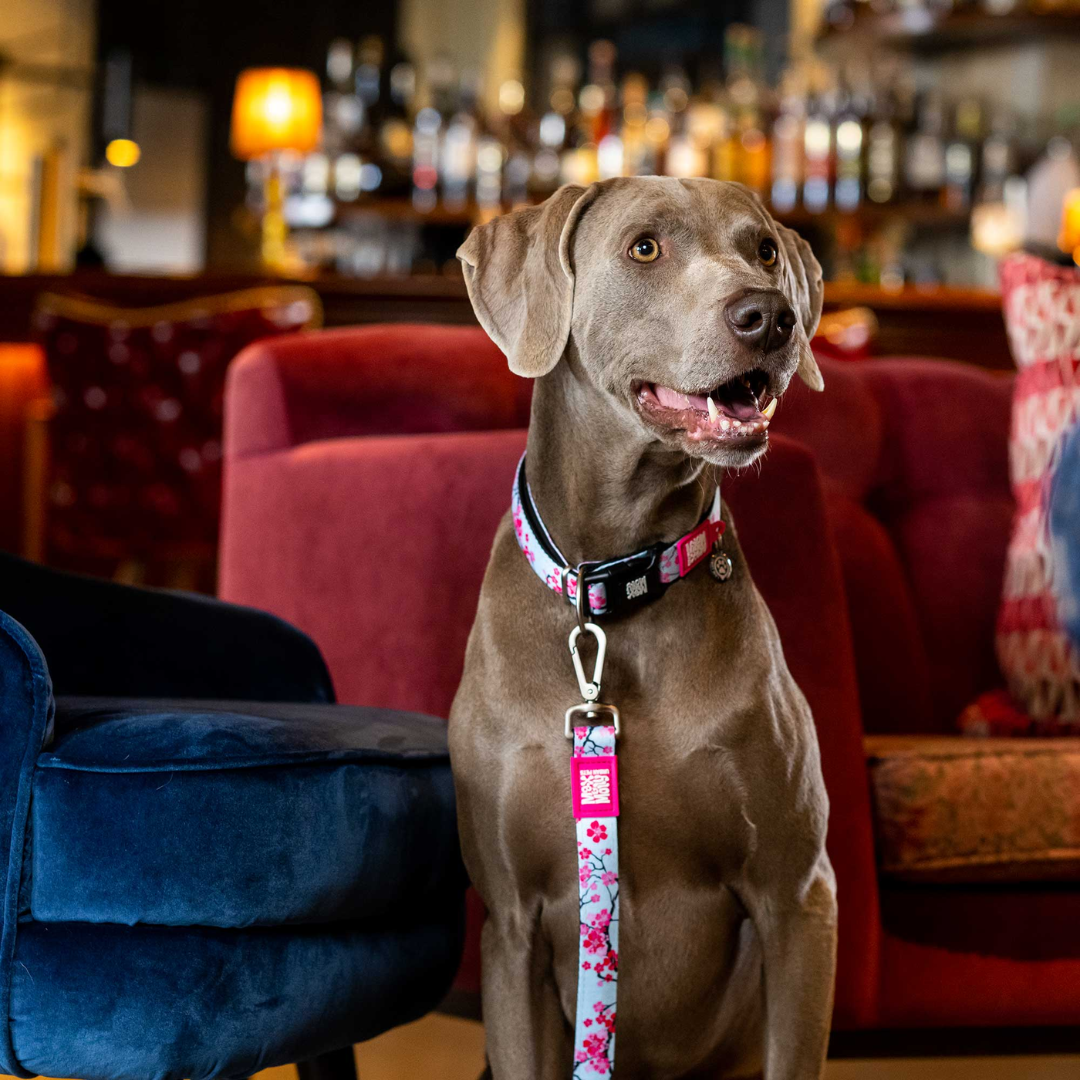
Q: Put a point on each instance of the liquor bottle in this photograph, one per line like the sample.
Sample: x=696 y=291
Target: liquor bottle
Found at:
x=396 y=132
x=997 y=159
x=725 y=149
x=343 y=117
x=603 y=113
x=1043 y=207
x=704 y=125
x=817 y=152
x=883 y=148
x=342 y=109
x=427 y=130
x=513 y=134
x=731 y=98
x=367 y=80
x=610 y=151
x=681 y=157
x=634 y=99
x=743 y=53
x=787 y=145
x=553 y=128
x=442 y=84
x=849 y=138
x=457 y=153
x=578 y=163
x=924 y=157
x=490 y=158
x=657 y=134
x=961 y=156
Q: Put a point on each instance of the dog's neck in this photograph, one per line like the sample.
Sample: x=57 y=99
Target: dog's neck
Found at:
x=603 y=487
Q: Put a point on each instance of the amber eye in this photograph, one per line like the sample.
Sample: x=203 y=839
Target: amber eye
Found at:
x=766 y=251
x=644 y=250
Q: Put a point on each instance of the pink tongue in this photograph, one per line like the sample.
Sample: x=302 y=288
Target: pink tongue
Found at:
x=736 y=405
x=741 y=410
x=672 y=399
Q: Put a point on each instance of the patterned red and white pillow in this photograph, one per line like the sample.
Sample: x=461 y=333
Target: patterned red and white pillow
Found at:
x=1042 y=315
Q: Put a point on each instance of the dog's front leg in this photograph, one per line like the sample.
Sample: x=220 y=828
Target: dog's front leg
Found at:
x=528 y=1037
x=797 y=929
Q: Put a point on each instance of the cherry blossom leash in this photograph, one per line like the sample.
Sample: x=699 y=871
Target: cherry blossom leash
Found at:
x=596 y=808
x=603 y=589
x=594 y=789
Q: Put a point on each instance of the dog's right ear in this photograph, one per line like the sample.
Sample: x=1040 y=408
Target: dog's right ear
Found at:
x=521 y=281
x=807 y=292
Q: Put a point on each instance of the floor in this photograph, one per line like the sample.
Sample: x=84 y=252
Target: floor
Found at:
x=445 y=1048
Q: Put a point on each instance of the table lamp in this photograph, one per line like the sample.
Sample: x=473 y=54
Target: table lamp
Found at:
x=23 y=380
x=274 y=110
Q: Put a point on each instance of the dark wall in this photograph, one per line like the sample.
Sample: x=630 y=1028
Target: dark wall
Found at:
x=651 y=35
x=203 y=44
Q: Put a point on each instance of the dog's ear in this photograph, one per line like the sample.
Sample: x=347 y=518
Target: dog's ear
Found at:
x=807 y=291
x=521 y=281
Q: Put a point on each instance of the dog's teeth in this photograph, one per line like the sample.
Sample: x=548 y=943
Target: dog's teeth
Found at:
x=737 y=423
x=714 y=412
x=764 y=424
x=724 y=425
x=769 y=409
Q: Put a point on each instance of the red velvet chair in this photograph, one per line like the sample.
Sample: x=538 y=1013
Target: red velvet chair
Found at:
x=914 y=454
x=366 y=471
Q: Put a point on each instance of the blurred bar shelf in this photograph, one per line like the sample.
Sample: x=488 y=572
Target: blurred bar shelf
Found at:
x=404 y=210
x=946 y=322
x=920 y=214
x=919 y=30
x=916 y=213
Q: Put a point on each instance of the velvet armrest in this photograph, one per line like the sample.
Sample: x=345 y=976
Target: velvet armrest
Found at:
x=26 y=719
x=395 y=379
x=106 y=639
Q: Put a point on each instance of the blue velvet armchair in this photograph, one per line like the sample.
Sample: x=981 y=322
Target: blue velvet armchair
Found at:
x=211 y=868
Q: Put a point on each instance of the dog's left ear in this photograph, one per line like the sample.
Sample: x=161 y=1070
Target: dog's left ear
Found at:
x=521 y=280
x=807 y=291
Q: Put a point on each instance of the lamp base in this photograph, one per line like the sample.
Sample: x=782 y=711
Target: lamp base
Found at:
x=274 y=228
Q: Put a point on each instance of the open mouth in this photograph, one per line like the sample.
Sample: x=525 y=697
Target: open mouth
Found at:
x=737 y=411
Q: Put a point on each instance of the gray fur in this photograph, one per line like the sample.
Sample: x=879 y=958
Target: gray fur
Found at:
x=728 y=909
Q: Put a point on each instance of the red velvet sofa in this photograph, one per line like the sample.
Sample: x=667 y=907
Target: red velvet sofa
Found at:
x=366 y=470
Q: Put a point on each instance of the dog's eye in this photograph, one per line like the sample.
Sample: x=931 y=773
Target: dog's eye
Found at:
x=644 y=250
x=766 y=251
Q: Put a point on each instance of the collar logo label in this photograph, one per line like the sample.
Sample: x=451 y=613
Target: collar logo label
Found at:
x=637 y=587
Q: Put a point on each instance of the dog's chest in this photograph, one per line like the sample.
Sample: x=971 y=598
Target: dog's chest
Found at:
x=683 y=819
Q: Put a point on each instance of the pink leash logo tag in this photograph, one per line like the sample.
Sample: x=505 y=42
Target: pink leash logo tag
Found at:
x=594 y=784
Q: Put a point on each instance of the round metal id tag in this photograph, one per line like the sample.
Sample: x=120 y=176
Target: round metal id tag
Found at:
x=720 y=565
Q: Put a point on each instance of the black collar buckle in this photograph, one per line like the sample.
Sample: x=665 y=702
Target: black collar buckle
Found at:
x=629 y=582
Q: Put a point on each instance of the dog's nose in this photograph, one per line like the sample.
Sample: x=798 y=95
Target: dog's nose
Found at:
x=761 y=318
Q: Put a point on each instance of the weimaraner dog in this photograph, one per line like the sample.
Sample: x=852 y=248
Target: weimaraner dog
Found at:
x=661 y=320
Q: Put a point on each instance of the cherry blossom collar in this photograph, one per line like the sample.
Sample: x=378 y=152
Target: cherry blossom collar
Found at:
x=616 y=586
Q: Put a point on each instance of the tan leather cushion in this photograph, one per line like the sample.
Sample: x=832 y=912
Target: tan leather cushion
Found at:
x=972 y=810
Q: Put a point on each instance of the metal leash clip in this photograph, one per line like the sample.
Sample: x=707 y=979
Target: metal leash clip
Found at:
x=591 y=712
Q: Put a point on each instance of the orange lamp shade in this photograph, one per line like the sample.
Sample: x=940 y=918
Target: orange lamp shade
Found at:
x=275 y=109
x=1070 y=225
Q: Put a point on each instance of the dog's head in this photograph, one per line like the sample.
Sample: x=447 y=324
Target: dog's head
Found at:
x=685 y=302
